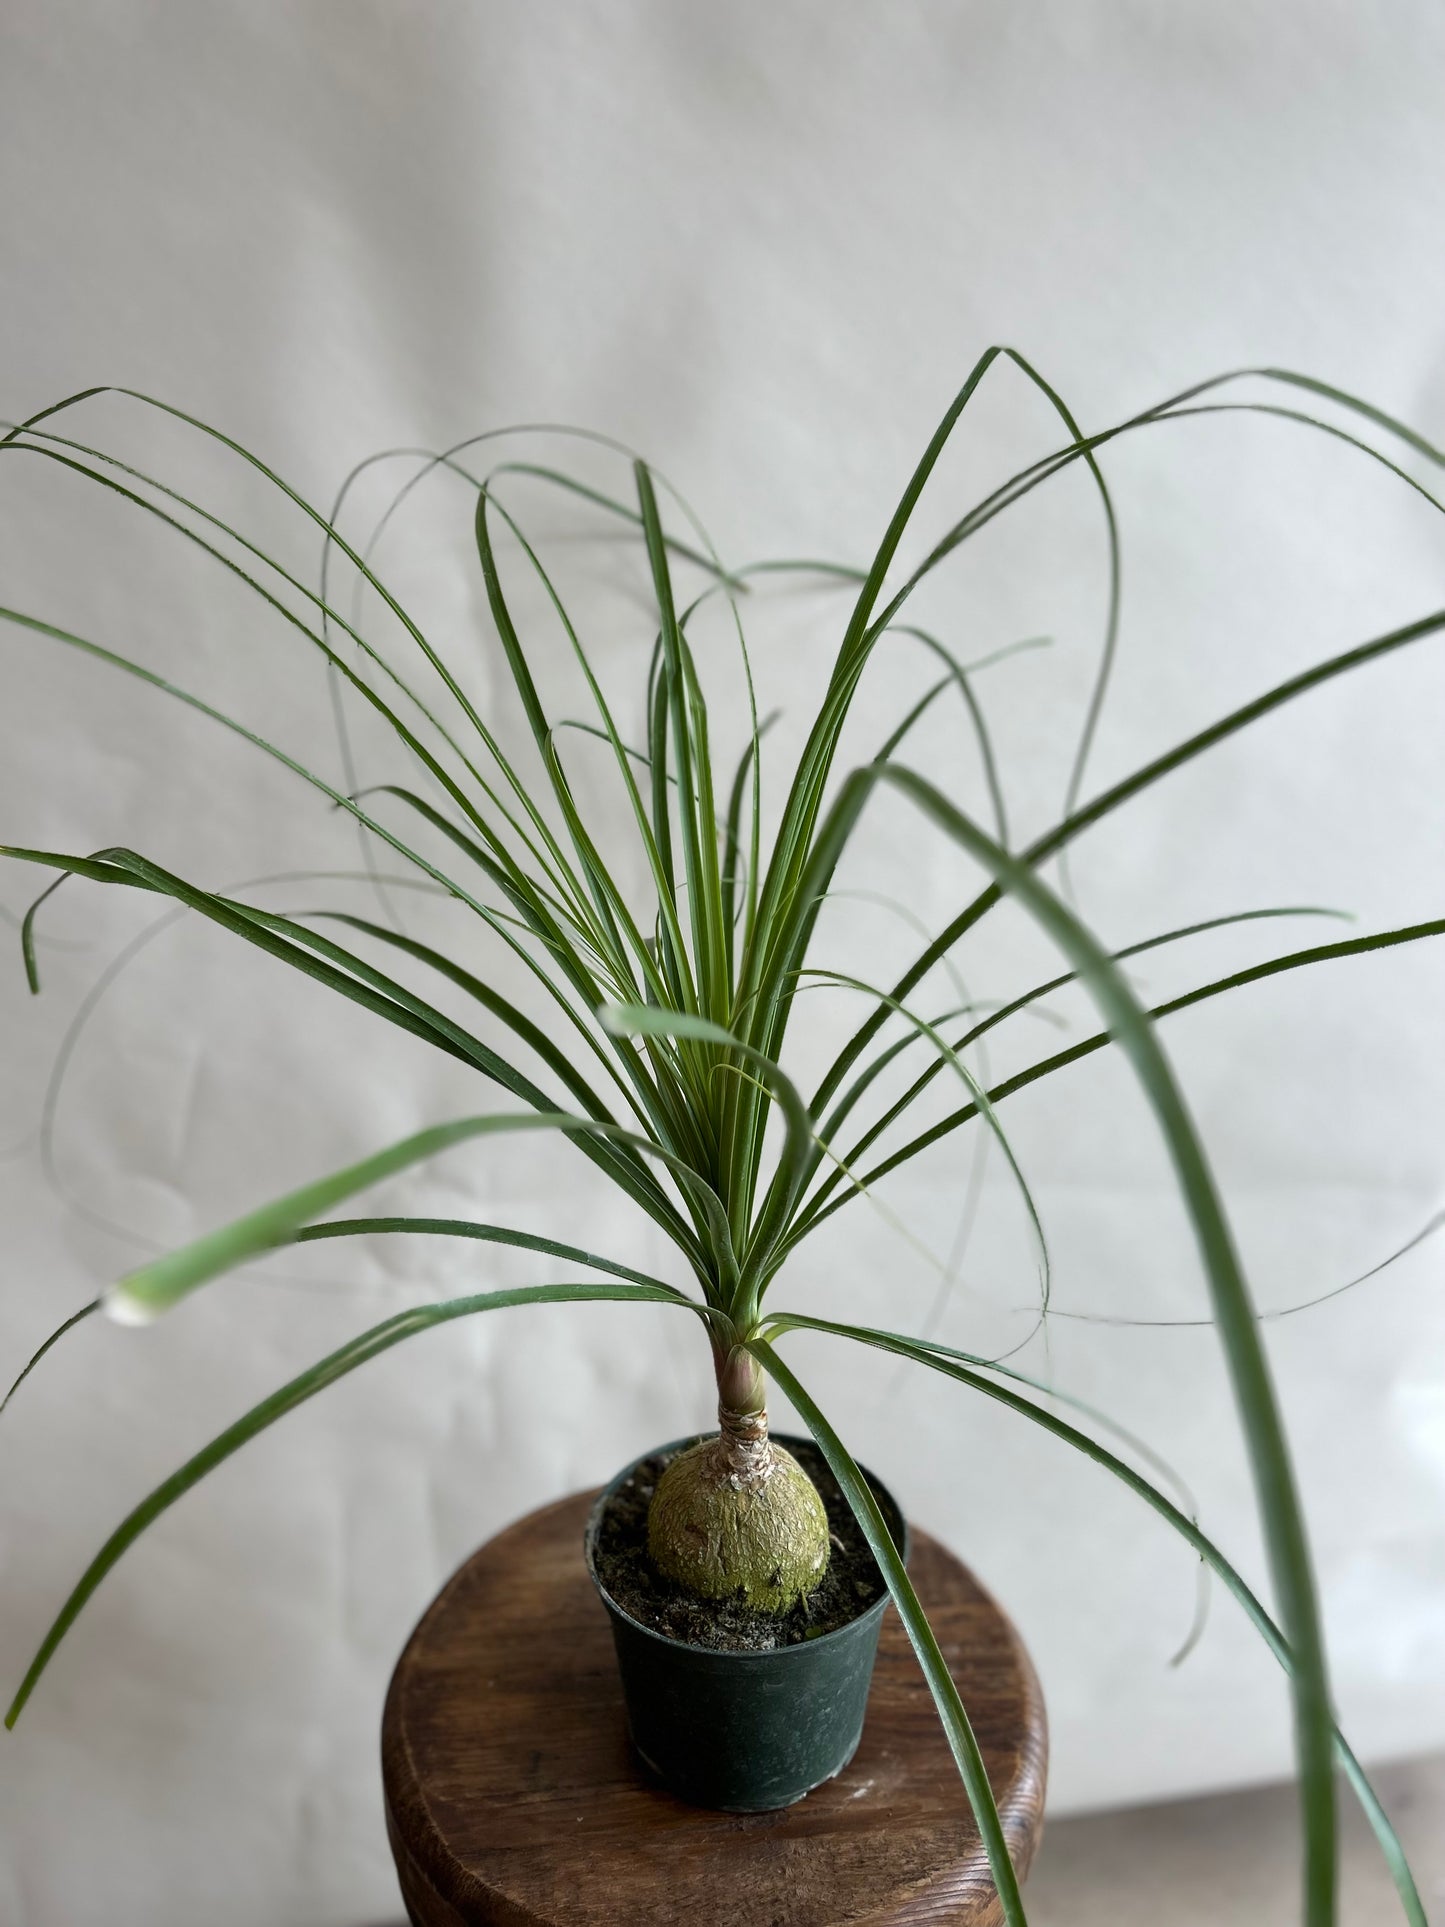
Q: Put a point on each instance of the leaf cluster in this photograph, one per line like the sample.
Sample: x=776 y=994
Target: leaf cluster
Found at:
x=659 y=1051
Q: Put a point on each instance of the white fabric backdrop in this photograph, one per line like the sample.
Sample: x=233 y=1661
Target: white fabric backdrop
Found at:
x=763 y=243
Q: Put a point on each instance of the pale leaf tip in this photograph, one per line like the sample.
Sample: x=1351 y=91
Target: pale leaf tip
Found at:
x=123 y=1307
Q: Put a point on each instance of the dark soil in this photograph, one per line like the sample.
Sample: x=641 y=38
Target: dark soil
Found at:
x=849 y=1586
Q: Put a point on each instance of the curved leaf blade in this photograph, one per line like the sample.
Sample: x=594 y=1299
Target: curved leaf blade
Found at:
x=961 y=1741
x=335 y=1365
x=141 y=1295
x=967 y=1370
x=494 y=1234
x=1255 y=973
x=1255 y=1398
x=55 y=1337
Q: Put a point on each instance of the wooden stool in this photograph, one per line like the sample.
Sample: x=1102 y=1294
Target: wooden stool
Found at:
x=514 y=1797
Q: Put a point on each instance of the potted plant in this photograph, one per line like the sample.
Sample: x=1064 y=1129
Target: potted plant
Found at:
x=659 y=1051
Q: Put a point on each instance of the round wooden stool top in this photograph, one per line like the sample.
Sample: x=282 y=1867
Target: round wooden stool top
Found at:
x=513 y=1795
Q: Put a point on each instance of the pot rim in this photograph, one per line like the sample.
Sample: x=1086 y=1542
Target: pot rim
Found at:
x=767 y=1654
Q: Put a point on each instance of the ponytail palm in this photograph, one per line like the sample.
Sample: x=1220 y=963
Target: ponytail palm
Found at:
x=656 y=1044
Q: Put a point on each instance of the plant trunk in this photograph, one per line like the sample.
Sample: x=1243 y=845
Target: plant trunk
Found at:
x=744 y=1455
x=737 y=1514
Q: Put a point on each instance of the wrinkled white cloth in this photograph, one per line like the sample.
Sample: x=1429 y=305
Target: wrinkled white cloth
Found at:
x=764 y=243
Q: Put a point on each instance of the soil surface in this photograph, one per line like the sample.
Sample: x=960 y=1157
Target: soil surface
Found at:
x=849 y=1586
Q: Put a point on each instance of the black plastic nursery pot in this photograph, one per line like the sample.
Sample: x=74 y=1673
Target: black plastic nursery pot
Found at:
x=744 y=1732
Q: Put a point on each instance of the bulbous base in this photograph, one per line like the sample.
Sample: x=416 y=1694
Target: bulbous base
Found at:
x=760 y=1531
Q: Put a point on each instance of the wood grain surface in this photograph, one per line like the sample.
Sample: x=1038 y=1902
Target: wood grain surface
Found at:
x=513 y=1796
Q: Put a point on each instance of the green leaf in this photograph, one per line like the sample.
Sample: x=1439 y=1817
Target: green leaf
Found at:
x=1428 y=1230
x=1256 y=973
x=516 y=1021
x=494 y=1234
x=607 y=903
x=968 y=1370
x=1102 y=674
x=646 y=1021
x=951 y=1056
x=541 y=914
x=558 y=478
x=794 y=840
x=958 y=679
x=142 y=1294
x=335 y=1365
x=1010 y=1009
x=1108 y=800
x=697 y=809
x=1234 y=1313
x=961 y=1741
x=732 y=836
x=340 y=970
x=336 y=664
x=55 y=1337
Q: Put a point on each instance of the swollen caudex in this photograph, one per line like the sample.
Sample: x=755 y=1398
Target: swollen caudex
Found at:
x=737 y=1514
